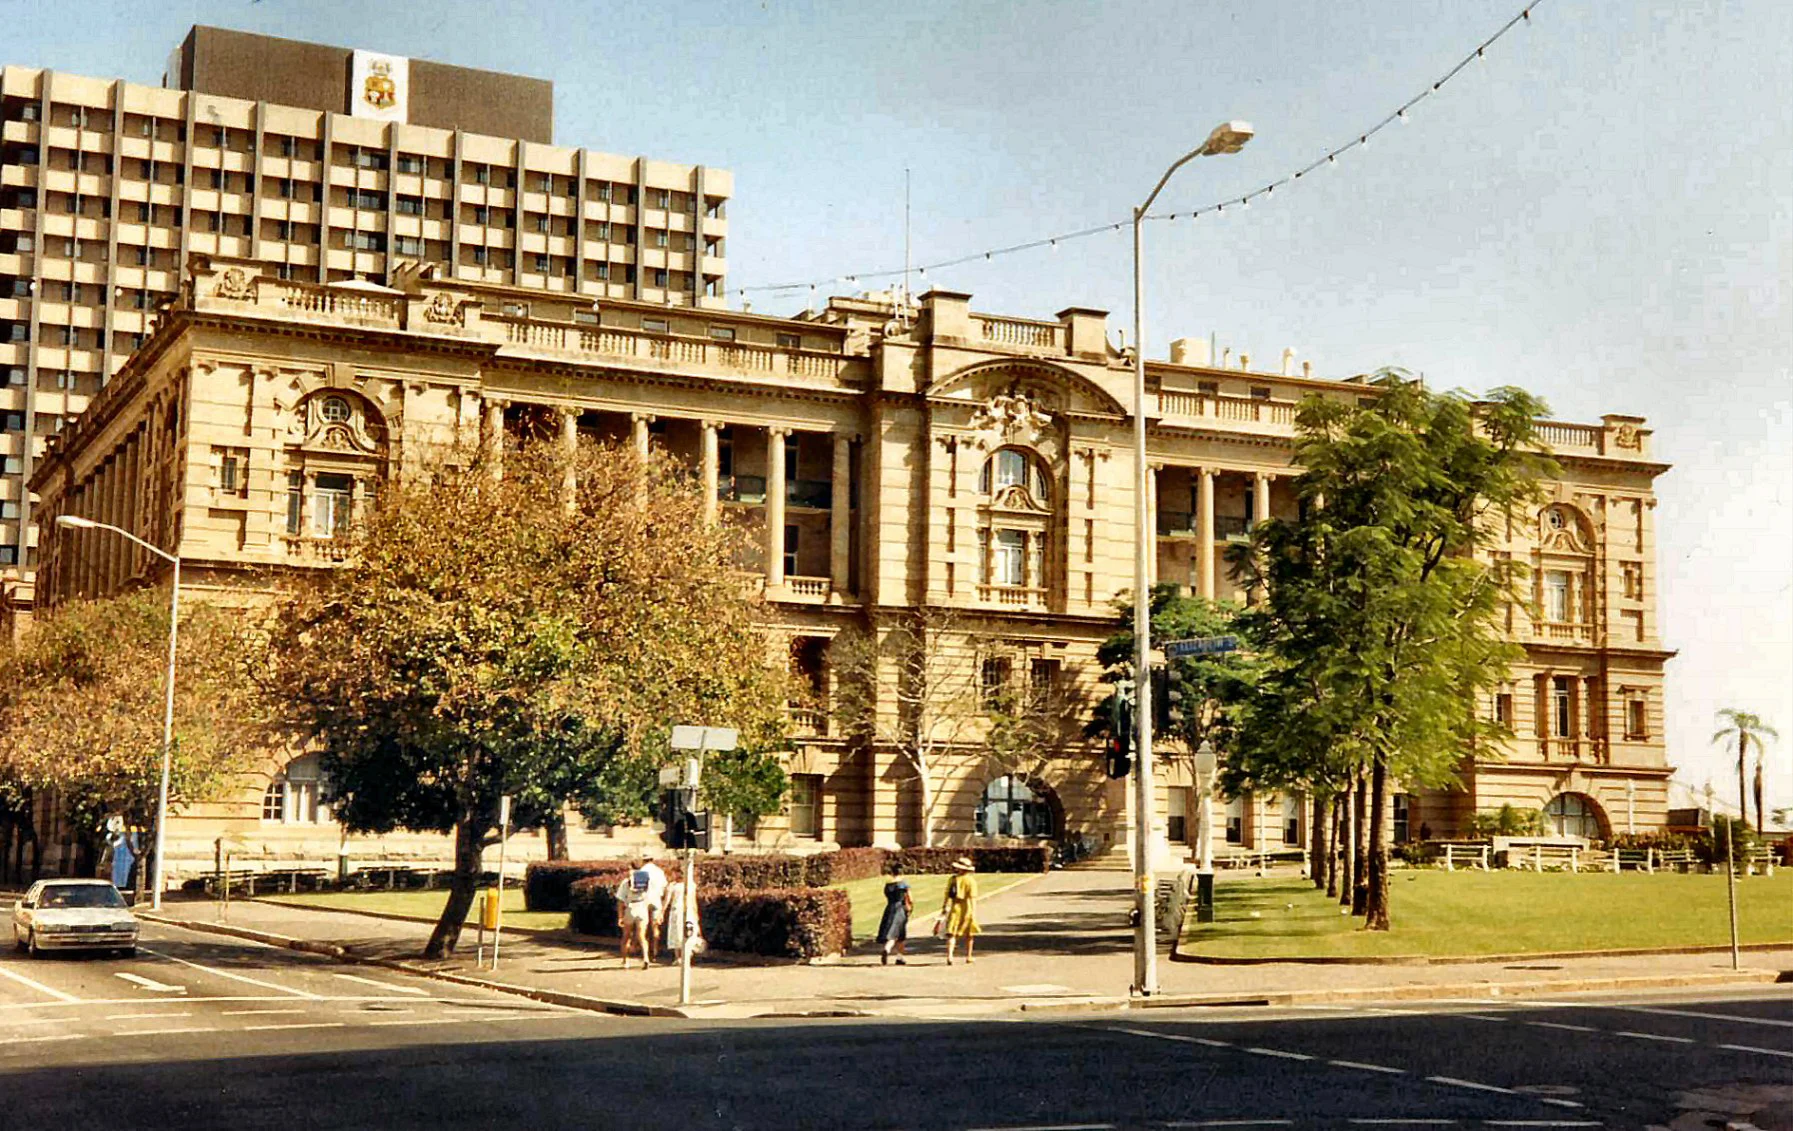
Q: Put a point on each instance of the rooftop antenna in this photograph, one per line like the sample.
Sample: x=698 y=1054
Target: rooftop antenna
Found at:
x=905 y=235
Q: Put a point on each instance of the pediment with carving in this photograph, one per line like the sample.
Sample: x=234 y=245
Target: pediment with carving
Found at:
x=336 y=423
x=1016 y=498
x=1562 y=529
x=1054 y=389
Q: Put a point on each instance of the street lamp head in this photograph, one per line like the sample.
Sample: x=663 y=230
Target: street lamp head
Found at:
x=75 y=522
x=1228 y=137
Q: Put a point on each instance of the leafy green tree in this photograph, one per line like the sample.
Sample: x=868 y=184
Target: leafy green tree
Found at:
x=82 y=722
x=1380 y=622
x=534 y=634
x=1749 y=731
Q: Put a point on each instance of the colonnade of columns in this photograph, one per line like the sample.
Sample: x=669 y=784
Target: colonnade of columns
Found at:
x=1203 y=521
x=840 y=574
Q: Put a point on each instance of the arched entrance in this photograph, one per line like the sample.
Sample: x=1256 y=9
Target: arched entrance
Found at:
x=1574 y=814
x=1023 y=808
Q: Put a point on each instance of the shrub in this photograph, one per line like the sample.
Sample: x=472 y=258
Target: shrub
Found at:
x=1508 y=821
x=933 y=861
x=847 y=864
x=804 y=923
x=548 y=884
x=753 y=873
x=782 y=922
x=1417 y=852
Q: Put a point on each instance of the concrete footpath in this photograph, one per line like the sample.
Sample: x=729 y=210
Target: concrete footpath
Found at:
x=1056 y=942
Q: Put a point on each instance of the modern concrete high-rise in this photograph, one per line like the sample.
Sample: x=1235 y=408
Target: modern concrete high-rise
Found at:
x=331 y=166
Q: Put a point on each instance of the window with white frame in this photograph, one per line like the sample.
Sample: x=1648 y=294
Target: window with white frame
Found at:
x=332 y=499
x=1008 y=558
x=1556 y=596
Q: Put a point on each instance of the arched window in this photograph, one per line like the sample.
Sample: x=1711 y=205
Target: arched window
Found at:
x=1012 y=467
x=1571 y=814
x=1014 y=529
x=295 y=796
x=335 y=410
x=1011 y=807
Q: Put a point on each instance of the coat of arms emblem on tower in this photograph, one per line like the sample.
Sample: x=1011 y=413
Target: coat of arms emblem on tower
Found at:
x=379 y=91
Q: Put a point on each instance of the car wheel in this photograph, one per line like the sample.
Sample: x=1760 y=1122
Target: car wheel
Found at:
x=127 y=952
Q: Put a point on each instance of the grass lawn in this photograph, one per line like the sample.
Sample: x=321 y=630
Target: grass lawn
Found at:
x=927 y=891
x=423 y=905
x=1439 y=913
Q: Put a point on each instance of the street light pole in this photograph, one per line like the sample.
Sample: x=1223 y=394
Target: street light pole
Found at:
x=76 y=522
x=1228 y=137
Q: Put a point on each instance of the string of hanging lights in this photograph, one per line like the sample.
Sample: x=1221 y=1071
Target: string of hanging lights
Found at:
x=1361 y=141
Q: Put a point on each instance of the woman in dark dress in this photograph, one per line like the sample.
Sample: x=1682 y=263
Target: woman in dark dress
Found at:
x=893 y=928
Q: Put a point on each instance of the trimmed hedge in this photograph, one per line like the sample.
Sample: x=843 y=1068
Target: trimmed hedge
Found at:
x=933 y=861
x=548 y=884
x=782 y=922
x=848 y=864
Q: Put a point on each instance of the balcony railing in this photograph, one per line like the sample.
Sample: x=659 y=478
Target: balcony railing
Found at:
x=319 y=551
x=1171 y=523
x=748 y=489
x=1231 y=526
x=1012 y=596
x=807 y=588
x=815 y=493
x=807 y=722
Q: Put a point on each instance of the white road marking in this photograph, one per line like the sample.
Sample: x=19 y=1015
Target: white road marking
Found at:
x=1543 y=1123
x=166 y=1032
x=1704 y=1016
x=1664 y=1037
x=1367 y=1067
x=157 y=1016
x=383 y=985
x=1456 y=1083
x=300 y=1025
x=1403 y=1122
x=38 y=986
x=1279 y=1053
x=1232 y=1123
x=149 y=984
x=1564 y=1027
x=1559 y=1103
x=254 y=1012
x=1052 y=1127
x=1207 y=1041
x=1753 y=1048
x=419 y=1021
x=1477 y=1017
x=234 y=977
x=39 y=1040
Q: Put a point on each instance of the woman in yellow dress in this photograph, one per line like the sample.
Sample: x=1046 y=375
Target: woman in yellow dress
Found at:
x=959 y=912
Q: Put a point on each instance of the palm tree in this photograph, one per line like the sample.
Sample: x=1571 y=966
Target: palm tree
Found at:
x=1748 y=730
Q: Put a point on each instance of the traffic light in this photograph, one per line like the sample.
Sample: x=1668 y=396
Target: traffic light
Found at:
x=682 y=826
x=1171 y=700
x=671 y=816
x=1119 y=752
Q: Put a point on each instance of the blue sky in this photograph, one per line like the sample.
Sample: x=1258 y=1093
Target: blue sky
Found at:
x=1599 y=210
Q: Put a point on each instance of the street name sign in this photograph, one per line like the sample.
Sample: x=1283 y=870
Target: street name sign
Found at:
x=1201 y=646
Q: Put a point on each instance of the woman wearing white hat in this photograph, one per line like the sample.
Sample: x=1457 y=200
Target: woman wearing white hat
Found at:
x=959 y=912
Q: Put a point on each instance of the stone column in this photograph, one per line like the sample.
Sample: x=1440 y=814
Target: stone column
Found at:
x=711 y=464
x=775 y=489
x=1260 y=499
x=569 y=447
x=638 y=423
x=840 y=517
x=1152 y=523
x=1204 y=533
x=494 y=437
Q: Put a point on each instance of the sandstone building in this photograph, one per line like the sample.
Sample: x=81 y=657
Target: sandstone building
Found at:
x=322 y=164
x=891 y=460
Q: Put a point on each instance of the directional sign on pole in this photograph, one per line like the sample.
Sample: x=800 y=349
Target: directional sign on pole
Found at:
x=704 y=738
x=1201 y=646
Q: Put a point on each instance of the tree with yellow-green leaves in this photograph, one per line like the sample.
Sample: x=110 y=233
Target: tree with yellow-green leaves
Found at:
x=82 y=722
x=532 y=634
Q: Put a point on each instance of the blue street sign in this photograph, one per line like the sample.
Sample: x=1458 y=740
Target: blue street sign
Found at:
x=1201 y=646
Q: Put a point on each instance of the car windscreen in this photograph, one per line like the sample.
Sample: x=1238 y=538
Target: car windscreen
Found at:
x=81 y=895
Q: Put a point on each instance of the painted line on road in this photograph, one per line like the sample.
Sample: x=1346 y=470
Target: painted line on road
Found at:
x=235 y=977
x=1231 y=1123
x=38 y=986
x=41 y=1040
x=1753 y=1048
x=383 y=985
x=1402 y=1122
x=1478 y=1017
x=1051 y=1127
x=1360 y=1065
x=157 y=1016
x=1558 y=1103
x=417 y=1021
x=1663 y=1037
x=299 y=1025
x=40 y=1021
x=1564 y=1027
x=1278 y=1053
x=1657 y=1011
x=255 y=1012
x=1207 y=1042
x=149 y=984
x=1542 y=1123
x=169 y=1032
x=1453 y=1082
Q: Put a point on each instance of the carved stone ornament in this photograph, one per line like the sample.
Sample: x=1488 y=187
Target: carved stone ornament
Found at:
x=1559 y=529
x=1015 y=497
x=443 y=310
x=235 y=284
x=1013 y=418
x=333 y=423
x=1627 y=436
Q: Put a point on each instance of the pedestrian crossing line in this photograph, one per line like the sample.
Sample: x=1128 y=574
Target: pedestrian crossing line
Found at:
x=1558 y=1103
x=234 y=977
x=1362 y=1067
x=38 y=986
x=159 y=1015
x=1564 y=1026
x=1663 y=1037
x=1279 y=1053
x=1753 y=1048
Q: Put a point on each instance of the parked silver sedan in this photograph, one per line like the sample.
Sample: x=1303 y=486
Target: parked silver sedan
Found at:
x=73 y=915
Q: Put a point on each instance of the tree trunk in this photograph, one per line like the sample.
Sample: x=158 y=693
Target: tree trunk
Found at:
x=1334 y=821
x=469 y=841
x=1360 y=850
x=146 y=861
x=1376 y=886
x=1316 y=841
x=554 y=832
x=1348 y=844
x=927 y=804
x=1742 y=784
x=1761 y=817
